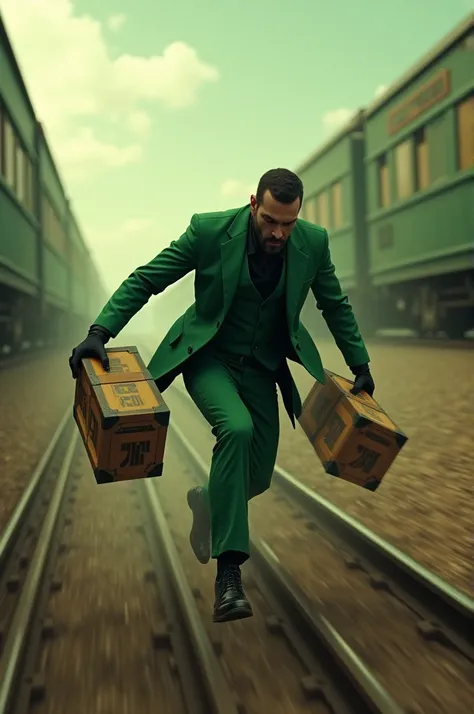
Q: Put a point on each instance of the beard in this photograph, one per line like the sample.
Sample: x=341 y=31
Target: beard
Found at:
x=268 y=245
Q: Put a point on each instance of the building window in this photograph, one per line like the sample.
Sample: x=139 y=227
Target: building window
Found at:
x=9 y=153
x=77 y=259
x=438 y=148
x=383 y=182
x=20 y=175
x=16 y=167
x=337 y=217
x=465 y=127
x=323 y=210
x=310 y=210
x=29 y=184
x=422 y=160
x=52 y=227
x=404 y=170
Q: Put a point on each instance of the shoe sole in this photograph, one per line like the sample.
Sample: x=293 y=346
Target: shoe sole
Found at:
x=201 y=529
x=235 y=613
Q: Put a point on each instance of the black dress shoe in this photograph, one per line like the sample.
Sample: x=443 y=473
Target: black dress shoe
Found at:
x=200 y=535
x=231 y=602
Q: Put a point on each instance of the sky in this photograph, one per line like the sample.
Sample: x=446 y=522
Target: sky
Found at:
x=155 y=111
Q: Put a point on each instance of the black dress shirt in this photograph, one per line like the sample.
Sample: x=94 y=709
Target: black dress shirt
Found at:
x=265 y=269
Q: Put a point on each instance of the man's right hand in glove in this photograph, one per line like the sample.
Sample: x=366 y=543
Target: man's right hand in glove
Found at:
x=92 y=346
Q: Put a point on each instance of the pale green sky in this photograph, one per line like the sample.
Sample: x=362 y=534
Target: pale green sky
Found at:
x=146 y=133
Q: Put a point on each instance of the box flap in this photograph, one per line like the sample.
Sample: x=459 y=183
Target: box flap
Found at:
x=345 y=385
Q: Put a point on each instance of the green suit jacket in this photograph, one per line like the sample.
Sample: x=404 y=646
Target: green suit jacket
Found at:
x=214 y=245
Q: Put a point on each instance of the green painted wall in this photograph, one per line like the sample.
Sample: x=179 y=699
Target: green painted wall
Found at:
x=436 y=225
x=74 y=232
x=331 y=166
x=15 y=100
x=459 y=62
x=18 y=242
x=56 y=278
x=50 y=179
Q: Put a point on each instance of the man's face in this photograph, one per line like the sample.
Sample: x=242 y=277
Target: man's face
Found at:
x=273 y=221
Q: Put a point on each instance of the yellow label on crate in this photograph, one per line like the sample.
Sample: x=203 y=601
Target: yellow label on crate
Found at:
x=120 y=363
x=129 y=396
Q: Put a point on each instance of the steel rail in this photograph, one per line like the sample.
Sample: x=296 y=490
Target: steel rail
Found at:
x=206 y=689
x=446 y=614
x=15 y=644
x=9 y=536
x=354 y=682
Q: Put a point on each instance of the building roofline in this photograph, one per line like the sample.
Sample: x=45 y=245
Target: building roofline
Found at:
x=55 y=166
x=4 y=38
x=354 y=124
x=358 y=118
x=429 y=58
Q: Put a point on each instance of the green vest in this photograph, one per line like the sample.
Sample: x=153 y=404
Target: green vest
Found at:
x=255 y=326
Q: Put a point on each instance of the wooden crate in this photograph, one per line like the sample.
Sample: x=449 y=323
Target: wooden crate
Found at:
x=352 y=435
x=121 y=416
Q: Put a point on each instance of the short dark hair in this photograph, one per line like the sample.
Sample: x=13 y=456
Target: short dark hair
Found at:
x=284 y=185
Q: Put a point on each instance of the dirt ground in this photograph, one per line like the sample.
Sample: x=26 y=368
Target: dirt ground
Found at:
x=33 y=399
x=421 y=676
x=425 y=504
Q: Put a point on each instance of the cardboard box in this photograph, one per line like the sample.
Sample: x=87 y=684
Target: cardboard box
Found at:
x=121 y=416
x=352 y=435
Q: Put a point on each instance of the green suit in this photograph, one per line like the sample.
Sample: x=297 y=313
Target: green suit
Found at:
x=204 y=343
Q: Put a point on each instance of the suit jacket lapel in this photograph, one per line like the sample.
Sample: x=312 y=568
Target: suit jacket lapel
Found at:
x=233 y=252
x=297 y=261
x=232 y=255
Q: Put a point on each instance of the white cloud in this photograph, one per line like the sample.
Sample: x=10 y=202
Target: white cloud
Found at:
x=139 y=123
x=115 y=22
x=85 y=155
x=336 y=119
x=73 y=80
x=239 y=190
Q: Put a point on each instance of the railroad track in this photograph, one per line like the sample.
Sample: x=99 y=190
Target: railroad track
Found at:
x=31 y=549
x=334 y=675
x=444 y=614
x=34 y=551
x=435 y=617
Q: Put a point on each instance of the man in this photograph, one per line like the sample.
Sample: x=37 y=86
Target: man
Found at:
x=254 y=268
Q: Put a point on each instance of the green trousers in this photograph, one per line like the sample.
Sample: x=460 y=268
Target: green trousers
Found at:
x=241 y=405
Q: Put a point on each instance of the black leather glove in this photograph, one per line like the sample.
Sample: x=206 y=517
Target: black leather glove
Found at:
x=92 y=346
x=363 y=380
